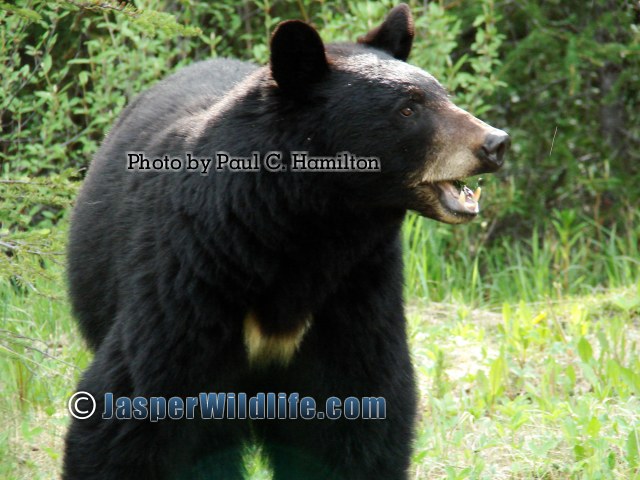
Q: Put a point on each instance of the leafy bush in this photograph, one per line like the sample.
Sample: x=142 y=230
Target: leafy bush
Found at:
x=573 y=70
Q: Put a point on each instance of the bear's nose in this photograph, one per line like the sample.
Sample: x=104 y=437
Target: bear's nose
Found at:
x=494 y=147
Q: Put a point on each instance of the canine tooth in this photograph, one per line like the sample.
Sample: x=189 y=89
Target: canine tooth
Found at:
x=462 y=198
x=477 y=193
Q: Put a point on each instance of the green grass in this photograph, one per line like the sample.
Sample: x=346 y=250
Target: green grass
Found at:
x=545 y=390
x=570 y=255
x=526 y=353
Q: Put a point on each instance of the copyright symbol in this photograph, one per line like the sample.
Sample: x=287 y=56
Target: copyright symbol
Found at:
x=81 y=405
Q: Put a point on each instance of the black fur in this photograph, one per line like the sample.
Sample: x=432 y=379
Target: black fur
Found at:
x=163 y=267
x=395 y=35
x=297 y=57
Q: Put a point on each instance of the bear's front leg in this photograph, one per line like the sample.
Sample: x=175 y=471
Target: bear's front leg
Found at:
x=356 y=346
x=344 y=448
x=105 y=447
x=98 y=448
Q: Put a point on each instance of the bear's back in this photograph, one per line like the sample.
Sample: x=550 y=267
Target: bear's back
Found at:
x=181 y=95
x=97 y=229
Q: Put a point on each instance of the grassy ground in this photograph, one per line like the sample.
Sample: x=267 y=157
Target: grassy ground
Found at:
x=543 y=389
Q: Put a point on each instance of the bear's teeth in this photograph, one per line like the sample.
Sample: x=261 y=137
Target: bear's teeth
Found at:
x=477 y=193
x=462 y=199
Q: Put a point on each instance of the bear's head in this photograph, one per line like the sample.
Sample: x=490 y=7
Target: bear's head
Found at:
x=368 y=101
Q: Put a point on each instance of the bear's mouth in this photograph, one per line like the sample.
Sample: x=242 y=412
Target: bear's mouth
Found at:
x=456 y=197
x=451 y=201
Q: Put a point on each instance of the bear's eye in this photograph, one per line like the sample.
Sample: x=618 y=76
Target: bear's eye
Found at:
x=406 y=111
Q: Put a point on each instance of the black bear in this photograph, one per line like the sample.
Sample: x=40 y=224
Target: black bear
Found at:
x=272 y=275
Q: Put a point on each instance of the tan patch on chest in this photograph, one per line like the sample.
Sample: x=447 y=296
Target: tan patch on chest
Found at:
x=267 y=349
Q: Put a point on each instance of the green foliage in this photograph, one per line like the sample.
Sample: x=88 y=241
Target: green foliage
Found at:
x=568 y=255
x=546 y=390
x=41 y=358
x=148 y=20
x=31 y=239
x=68 y=74
x=25 y=13
x=572 y=69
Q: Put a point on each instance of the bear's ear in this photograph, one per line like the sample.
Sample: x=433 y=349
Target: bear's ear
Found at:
x=395 y=35
x=297 y=56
